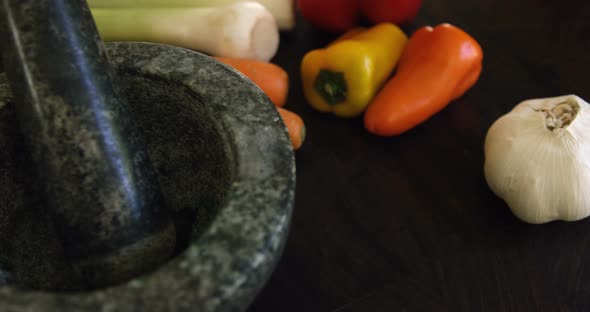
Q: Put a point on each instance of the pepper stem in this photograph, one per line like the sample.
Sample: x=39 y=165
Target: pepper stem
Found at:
x=562 y=114
x=331 y=86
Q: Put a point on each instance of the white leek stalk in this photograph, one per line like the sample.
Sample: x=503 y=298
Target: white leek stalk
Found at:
x=282 y=10
x=241 y=30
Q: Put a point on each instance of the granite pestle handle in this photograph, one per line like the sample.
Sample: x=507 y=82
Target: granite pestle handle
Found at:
x=92 y=165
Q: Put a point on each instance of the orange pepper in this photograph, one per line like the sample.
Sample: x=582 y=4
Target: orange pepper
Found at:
x=437 y=66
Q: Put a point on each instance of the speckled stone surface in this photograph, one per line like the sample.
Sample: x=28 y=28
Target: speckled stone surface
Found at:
x=98 y=182
x=226 y=168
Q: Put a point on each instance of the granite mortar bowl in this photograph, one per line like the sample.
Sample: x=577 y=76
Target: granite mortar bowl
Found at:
x=227 y=173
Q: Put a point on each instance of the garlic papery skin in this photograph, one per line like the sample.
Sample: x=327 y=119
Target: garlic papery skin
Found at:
x=537 y=159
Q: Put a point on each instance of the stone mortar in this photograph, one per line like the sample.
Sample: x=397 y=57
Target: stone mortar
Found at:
x=227 y=172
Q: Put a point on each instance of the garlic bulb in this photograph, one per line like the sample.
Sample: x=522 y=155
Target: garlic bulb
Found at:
x=537 y=158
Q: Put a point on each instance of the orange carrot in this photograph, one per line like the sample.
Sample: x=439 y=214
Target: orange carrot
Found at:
x=272 y=79
x=295 y=126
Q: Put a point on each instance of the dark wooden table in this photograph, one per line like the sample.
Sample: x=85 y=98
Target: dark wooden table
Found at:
x=408 y=222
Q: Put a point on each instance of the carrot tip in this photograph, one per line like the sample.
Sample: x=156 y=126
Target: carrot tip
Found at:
x=301 y=138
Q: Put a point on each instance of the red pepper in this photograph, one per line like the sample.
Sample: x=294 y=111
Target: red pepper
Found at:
x=392 y=11
x=341 y=15
x=330 y=15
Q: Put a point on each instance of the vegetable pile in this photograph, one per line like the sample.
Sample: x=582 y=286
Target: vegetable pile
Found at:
x=396 y=81
x=355 y=73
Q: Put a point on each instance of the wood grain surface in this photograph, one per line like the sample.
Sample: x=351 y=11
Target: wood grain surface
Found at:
x=408 y=223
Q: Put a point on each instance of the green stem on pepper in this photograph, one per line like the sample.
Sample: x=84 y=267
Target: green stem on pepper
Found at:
x=331 y=86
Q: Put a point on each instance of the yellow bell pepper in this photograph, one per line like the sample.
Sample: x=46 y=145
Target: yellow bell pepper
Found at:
x=344 y=77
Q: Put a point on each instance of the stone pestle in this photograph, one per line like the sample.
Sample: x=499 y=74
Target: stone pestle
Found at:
x=92 y=165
